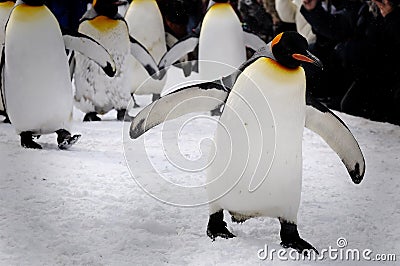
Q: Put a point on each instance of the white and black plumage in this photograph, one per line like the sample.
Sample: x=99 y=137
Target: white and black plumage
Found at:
x=257 y=168
x=97 y=93
x=37 y=86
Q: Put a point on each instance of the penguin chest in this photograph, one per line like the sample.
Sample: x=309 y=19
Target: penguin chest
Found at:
x=257 y=166
x=37 y=86
x=91 y=83
x=144 y=16
x=221 y=40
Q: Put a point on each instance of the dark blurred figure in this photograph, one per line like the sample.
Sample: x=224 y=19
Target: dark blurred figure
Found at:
x=333 y=22
x=256 y=20
x=68 y=12
x=180 y=16
x=373 y=56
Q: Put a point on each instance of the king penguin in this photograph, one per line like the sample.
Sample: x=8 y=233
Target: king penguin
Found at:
x=229 y=52
x=257 y=168
x=5 y=10
x=97 y=93
x=220 y=23
x=146 y=25
x=37 y=85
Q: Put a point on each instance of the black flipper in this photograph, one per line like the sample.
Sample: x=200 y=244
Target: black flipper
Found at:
x=337 y=135
x=2 y=90
x=65 y=140
x=178 y=50
x=291 y=239
x=217 y=227
x=144 y=57
x=208 y=96
x=90 y=48
x=71 y=63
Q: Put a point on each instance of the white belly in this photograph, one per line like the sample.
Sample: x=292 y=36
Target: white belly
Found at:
x=37 y=86
x=95 y=91
x=221 y=40
x=258 y=163
x=146 y=25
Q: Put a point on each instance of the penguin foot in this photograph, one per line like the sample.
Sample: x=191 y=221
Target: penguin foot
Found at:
x=122 y=115
x=7 y=120
x=92 y=116
x=156 y=96
x=291 y=239
x=65 y=140
x=27 y=141
x=217 y=227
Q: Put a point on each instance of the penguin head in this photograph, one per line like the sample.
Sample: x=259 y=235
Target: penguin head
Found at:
x=34 y=2
x=290 y=50
x=108 y=8
x=2 y=1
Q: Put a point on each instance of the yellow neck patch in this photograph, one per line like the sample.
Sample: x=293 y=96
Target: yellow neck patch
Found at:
x=103 y=23
x=8 y=4
x=28 y=13
x=220 y=7
x=274 y=66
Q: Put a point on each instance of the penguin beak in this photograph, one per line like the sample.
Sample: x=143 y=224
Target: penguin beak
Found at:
x=309 y=58
x=120 y=3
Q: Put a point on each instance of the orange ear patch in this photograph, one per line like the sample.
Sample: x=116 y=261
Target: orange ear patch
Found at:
x=276 y=39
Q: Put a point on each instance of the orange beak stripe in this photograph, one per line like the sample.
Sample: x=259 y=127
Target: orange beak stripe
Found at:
x=303 y=58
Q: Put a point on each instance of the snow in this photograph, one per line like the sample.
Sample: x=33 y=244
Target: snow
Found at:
x=83 y=206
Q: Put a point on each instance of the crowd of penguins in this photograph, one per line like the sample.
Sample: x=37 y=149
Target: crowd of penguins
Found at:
x=137 y=37
x=114 y=52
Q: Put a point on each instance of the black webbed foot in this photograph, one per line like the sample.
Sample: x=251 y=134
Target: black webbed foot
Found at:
x=27 y=141
x=92 y=116
x=217 y=227
x=291 y=239
x=122 y=115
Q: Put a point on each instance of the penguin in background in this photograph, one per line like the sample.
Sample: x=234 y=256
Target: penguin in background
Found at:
x=97 y=93
x=5 y=10
x=34 y=68
x=220 y=23
x=274 y=76
x=146 y=25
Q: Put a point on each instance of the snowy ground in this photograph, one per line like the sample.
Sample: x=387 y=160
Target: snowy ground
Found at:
x=82 y=206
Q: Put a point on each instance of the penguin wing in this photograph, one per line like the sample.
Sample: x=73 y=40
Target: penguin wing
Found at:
x=207 y=96
x=144 y=57
x=91 y=49
x=178 y=50
x=71 y=63
x=253 y=41
x=337 y=135
x=2 y=61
